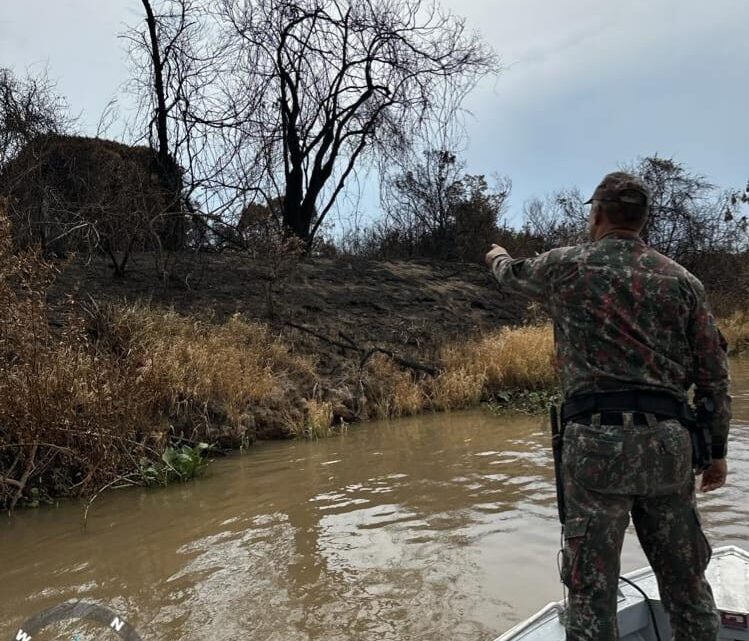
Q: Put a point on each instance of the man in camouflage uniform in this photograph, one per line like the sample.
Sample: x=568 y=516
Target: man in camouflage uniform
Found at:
x=629 y=321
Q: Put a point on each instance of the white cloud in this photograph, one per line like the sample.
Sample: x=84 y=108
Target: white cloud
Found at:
x=588 y=83
x=591 y=84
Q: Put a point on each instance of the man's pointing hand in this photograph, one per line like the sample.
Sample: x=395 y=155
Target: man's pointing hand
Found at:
x=495 y=251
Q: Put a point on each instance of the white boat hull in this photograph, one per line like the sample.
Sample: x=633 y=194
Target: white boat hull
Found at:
x=728 y=574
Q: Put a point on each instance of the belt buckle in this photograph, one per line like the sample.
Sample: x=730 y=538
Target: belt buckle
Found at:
x=643 y=419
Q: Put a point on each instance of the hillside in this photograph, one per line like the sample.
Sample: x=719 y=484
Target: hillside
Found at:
x=339 y=312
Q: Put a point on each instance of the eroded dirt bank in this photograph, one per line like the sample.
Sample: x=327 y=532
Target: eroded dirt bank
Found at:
x=341 y=313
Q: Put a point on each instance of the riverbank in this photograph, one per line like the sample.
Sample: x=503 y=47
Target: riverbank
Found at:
x=299 y=540
x=111 y=382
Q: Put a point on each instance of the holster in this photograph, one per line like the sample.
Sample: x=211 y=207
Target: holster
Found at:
x=557 y=435
x=702 y=442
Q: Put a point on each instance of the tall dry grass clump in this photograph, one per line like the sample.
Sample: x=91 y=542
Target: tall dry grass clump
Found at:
x=522 y=359
x=509 y=359
x=735 y=328
x=518 y=358
x=198 y=370
x=66 y=422
x=458 y=387
x=390 y=391
x=318 y=420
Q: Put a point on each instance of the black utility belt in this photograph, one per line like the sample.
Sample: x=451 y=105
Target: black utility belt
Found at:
x=617 y=418
x=613 y=405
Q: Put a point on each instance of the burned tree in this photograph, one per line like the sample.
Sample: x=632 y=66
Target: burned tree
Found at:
x=326 y=83
x=168 y=71
x=559 y=219
x=435 y=209
x=29 y=107
x=686 y=214
x=86 y=195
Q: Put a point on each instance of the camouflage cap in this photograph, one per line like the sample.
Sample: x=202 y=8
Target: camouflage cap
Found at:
x=620 y=187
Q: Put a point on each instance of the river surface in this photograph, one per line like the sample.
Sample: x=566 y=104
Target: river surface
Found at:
x=438 y=527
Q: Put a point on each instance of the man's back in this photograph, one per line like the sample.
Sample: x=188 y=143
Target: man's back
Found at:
x=627 y=318
x=622 y=314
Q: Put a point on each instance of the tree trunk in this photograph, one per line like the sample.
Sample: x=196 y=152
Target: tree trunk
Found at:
x=173 y=232
x=296 y=221
x=158 y=83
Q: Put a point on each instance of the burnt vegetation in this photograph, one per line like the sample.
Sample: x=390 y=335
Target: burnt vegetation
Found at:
x=257 y=122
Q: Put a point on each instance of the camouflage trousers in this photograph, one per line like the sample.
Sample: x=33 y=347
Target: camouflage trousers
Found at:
x=609 y=473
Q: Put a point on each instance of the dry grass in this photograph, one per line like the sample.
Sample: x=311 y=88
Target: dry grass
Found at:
x=318 y=421
x=510 y=359
x=193 y=365
x=119 y=382
x=391 y=391
x=736 y=330
x=61 y=405
x=84 y=401
x=520 y=358
x=457 y=388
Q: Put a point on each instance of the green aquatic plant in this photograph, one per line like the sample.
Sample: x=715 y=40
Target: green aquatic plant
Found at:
x=176 y=464
x=521 y=401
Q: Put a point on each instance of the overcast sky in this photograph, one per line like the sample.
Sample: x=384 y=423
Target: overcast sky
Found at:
x=587 y=85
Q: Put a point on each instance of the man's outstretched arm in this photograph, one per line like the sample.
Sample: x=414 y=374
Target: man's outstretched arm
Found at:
x=526 y=276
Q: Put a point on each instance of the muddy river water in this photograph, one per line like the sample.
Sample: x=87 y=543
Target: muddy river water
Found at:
x=438 y=527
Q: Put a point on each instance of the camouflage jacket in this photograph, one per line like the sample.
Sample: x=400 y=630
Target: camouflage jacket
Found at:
x=627 y=318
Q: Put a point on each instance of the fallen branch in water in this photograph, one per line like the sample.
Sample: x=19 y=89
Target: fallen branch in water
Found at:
x=128 y=479
x=21 y=483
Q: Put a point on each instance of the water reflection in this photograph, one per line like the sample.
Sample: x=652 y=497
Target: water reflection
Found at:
x=442 y=526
